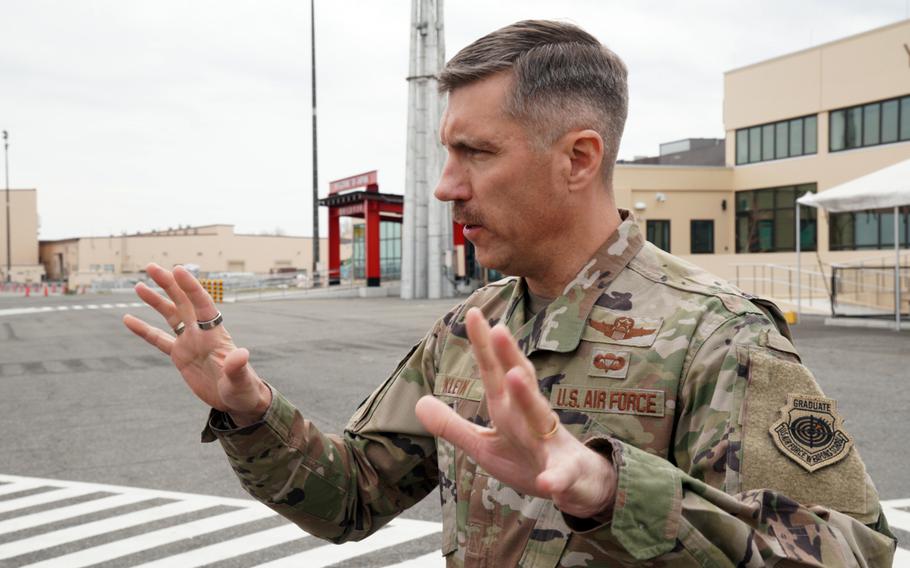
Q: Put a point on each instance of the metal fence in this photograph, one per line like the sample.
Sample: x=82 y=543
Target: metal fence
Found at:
x=239 y=286
x=782 y=282
x=868 y=291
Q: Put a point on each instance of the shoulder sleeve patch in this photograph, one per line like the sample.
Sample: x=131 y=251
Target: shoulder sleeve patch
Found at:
x=810 y=432
x=785 y=419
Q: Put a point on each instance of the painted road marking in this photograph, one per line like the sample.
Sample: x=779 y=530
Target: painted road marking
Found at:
x=64 y=308
x=897 y=511
x=67 y=512
x=217 y=514
x=39 y=499
x=226 y=550
x=78 y=532
x=126 y=546
x=394 y=533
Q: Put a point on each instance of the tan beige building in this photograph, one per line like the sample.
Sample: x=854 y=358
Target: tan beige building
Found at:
x=23 y=237
x=806 y=121
x=213 y=248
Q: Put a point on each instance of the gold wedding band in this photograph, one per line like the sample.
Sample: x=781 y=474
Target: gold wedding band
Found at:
x=553 y=431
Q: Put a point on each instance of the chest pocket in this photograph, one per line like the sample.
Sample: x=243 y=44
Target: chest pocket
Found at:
x=464 y=396
x=629 y=391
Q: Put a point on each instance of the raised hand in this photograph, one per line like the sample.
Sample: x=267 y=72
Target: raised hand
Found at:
x=213 y=367
x=525 y=445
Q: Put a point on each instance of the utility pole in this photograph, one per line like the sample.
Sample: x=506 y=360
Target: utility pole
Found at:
x=315 y=271
x=9 y=246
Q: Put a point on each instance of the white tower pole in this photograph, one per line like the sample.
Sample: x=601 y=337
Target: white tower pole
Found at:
x=427 y=234
x=440 y=220
x=410 y=188
x=420 y=165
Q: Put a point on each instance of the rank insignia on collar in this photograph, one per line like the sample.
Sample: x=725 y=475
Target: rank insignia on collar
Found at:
x=605 y=326
x=608 y=363
x=810 y=432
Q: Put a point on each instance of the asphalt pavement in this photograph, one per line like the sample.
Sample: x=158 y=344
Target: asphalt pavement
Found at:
x=90 y=410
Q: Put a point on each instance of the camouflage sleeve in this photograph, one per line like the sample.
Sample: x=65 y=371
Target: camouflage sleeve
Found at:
x=732 y=495
x=341 y=487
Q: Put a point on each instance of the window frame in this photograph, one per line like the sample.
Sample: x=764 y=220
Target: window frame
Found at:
x=654 y=222
x=862 y=111
x=747 y=209
x=692 y=233
x=835 y=221
x=748 y=134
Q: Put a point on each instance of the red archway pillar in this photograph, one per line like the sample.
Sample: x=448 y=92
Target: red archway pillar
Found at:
x=372 y=238
x=334 y=247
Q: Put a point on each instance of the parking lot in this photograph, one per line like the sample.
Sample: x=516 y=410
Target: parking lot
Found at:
x=92 y=412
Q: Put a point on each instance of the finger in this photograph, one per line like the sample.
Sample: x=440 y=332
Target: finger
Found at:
x=443 y=422
x=554 y=481
x=235 y=366
x=152 y=335
x=159 y=303
x=507 y=351
x=487 y=362
x=165 y=279
x=535 y=408
x=201 y=300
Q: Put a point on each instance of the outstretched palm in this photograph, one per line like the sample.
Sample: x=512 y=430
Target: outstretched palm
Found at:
x=525 y=446
x=212 y=366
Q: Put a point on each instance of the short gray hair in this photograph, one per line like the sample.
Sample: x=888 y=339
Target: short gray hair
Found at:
x=564 y=79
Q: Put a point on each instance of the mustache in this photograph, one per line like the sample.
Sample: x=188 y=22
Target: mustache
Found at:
x=463 y=216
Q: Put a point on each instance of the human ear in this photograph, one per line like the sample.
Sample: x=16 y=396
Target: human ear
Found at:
x=586 y=152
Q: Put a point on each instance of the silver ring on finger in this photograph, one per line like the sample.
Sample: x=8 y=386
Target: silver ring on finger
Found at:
x=212 y=323
x=179 y=328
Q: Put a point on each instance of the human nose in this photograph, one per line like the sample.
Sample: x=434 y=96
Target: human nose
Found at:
x=453 y=184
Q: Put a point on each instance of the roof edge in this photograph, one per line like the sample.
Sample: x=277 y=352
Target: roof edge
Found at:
x=818 y=46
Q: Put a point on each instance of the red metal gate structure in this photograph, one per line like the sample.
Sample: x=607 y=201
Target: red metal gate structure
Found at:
x=359 y=197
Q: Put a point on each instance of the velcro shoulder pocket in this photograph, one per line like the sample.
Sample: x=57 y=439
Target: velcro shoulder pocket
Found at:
x=790 y=440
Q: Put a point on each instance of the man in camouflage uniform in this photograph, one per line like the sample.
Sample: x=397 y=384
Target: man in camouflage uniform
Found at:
x=626 y=408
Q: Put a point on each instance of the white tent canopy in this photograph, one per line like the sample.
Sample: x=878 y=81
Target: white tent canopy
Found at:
x=885 y=188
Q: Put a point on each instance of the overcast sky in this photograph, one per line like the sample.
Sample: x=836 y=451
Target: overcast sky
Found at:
x=132 y=115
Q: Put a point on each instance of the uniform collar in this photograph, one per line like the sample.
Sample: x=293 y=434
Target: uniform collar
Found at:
x=559 y=326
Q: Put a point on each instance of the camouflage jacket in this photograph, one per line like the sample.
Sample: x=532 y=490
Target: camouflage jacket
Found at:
x=726 y=450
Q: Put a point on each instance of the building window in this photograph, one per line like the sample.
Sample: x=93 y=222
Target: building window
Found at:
x=389 y=250
x=777 y=140
x=659 y=233
x=870 y=229
x=702 y=236
x=882 y=122
x=765 y=219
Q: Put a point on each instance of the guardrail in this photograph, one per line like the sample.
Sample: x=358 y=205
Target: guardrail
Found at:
x=781 y=281
x=868 y=290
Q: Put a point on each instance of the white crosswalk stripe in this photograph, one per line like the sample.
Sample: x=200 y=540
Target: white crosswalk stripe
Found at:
x=395 y=533
x=65 y=308
x=191 y=537
x=898 y=513
x=225 y=550
x=193 y=516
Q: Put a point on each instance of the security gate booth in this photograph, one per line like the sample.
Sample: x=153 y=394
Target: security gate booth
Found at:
x=359 y=197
